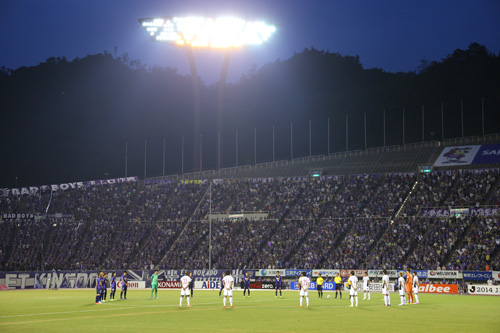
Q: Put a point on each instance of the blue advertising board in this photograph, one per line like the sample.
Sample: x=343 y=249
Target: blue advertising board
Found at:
x=477 y=276
x=297 y=272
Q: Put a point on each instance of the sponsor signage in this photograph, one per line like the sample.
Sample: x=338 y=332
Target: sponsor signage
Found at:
x=297 y=272
x=463 y=155
x=169 y=284
x=132 y=285
x=213 y=275
x=444 y=274
x=376 y=286
x=325 y=272
x=379 y=272
x=445 y=213
x=478 y=276
x=327 y=286
x=357 y=272
x=496 y=275
x=269 y=272
x=217 y=285
x=487 y=154
x=438 y=288
x=475 y=289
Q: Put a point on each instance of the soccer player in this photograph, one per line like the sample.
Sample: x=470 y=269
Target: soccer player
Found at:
x=401 y=288
x=386 y=288
x=353 y=292
x=304 y=284
x=319 y=285
x=191 y=284
x=228 y=282
x=123 y=294
x=338 y=285
x=185 y=280
x=154 y=284
x=409 y=286
x=415 y=286
x=246 y=284
x=113 y=287
x=222 y=283
x=366 y=285
x=104 y=290
x=98 y=286
x=277 y=284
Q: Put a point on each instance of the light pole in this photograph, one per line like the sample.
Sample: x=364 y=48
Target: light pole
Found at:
x=222 y=33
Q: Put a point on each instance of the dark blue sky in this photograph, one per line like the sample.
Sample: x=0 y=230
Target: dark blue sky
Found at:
x=390 y=34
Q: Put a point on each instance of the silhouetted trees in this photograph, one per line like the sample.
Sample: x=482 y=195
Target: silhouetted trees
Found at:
x=69 y=120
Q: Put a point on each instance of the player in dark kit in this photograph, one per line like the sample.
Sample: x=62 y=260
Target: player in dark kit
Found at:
x=246 y=284
x=98 y=287
x=221 y=283
x=123 y=294
x=104 y=289
x=277 y=284
x=191 y=284
x=113 y=287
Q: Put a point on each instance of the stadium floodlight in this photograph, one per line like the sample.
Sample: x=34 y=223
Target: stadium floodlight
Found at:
x=220 y=33
x=217 y=33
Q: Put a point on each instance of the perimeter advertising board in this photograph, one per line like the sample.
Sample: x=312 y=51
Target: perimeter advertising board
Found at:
x=475 y=289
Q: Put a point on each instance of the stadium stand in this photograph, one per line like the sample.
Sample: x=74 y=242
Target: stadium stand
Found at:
x=364 y=212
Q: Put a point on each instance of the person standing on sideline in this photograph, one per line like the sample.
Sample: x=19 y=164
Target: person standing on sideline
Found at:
x=338 y=285
x=319 y=285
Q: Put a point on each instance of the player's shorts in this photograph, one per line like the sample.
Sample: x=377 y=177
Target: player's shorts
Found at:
x=401 y=292
x=304 y=293
x=113 y=289
x=277 y=287
x=353 y=292
x=228 y=292
x=409 y=289
x=320 y=288
x=366 y=288
x=338 y=286
x=247 y=286
x=385 y=291
x=124 y=286
x=154 y=286
x=415 y=290
x=99 y=290
x=185 y=292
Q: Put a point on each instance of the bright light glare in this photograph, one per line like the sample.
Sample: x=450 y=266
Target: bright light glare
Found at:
x=222 y=32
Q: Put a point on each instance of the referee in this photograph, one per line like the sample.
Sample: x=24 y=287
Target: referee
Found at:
x=338 y=285
x=319 y=285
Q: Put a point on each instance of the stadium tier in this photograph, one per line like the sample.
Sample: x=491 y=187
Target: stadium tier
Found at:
x=366 y=220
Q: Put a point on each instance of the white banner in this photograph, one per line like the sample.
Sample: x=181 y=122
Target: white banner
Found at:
x=325 y=272
x=462 y=155
x=377 y=286
x=496 y=275
x=482 y=289
x=444 y=274
x=216 y=285
x=269 y=272
x=393 y=273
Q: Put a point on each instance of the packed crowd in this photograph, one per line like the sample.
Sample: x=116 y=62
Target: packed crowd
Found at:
x=328 y=221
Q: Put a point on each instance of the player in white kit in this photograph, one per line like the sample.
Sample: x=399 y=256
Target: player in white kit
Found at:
x=366 y=285
x=353 y=292
x=304 y=284
x=185 y=280
x=401 y=288
x=228 y=282
x=386 y=289
x=415 y=286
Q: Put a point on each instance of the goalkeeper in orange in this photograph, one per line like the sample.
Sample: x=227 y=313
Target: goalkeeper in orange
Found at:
x=409 y=286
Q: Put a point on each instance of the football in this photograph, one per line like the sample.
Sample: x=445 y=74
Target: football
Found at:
x=328 y=296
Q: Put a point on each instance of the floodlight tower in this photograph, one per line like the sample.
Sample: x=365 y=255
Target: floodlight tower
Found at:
x=222 y=33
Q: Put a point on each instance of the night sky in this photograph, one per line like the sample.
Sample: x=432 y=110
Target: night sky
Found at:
x=390 y=34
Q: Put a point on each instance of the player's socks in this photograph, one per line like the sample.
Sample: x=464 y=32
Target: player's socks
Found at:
x=385 y=300
x=248 y=292
x=231 y=301
x=180 y=301
x=341 y=295
x=388 y=300
x=276 y=293
x=189 y=302
x=125 y=294
x=307 y=301
x=356 y=300
x=416 y=298
x=156 y=293
x=301 y=299
x=281 y=293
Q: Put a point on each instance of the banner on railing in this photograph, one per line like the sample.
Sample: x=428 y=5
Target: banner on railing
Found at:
x=438 y=288
x=444 y=274
x=478 y=276
x=445 y=212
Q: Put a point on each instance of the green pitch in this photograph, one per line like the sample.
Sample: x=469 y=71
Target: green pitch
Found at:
x=65 y=310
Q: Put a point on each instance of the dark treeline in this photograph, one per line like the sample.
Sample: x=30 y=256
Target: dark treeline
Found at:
x=69 y=120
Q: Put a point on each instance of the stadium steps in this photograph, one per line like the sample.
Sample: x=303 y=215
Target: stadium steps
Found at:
x=461 y=240
x=338 y=240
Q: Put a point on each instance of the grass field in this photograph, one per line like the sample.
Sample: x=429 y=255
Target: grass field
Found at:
x=65 y=310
